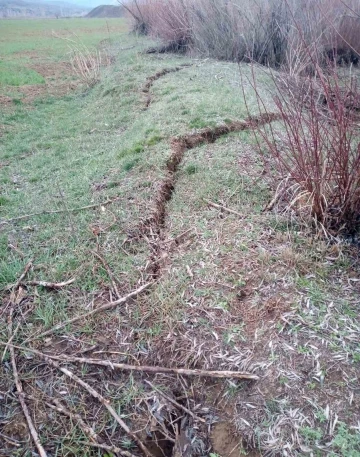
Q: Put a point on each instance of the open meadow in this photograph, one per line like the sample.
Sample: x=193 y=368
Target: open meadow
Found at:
x=134 y=244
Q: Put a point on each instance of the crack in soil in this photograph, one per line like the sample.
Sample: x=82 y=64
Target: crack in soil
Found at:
x=155 y=224
x=151 y=79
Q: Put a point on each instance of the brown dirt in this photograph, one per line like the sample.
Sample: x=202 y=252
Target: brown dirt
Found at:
x=59 y=81
x=5 y=100
x=31 y=93
x=225 y=441
x=29 y=54
x=151 y=79
x=179 y=145
x=53 y=69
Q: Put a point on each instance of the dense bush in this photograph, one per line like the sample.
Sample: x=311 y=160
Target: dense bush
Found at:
x=316 y=150
x=271 y=32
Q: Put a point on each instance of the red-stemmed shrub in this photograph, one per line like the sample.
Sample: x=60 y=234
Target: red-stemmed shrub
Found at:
x=316 y=149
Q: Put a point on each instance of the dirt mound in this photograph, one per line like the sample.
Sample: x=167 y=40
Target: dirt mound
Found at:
x=106 y=11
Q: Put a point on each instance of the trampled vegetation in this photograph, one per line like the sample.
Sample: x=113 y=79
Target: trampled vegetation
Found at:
x=178 y=234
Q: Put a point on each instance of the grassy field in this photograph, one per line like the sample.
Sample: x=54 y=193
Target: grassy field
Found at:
x=36 y=53
x=245 y=290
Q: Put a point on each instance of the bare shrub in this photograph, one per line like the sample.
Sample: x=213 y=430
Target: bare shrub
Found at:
x=240 y=30
x=317 y=149
x=164 y=19
x=263 y=31
x=140 y=15
x=86 y=62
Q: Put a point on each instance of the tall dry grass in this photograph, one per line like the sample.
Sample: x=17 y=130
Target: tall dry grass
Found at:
x=277 y=33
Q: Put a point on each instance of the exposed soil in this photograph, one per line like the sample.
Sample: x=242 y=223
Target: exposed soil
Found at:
x=151 y=79
x=180 y=46
x=60 y=79
x=5 y=100
x=33 y=92
x=225 y=440
x=54 y=69
x=179 y=145
x=28 y=54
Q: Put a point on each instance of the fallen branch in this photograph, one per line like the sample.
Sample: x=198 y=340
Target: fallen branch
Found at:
x=144 y=368
x=156 y=369
x=105 y=307
x=10 y=339
x=12 y=304
x=17 y=250
x=109 y=272
x=178 y=405
x=22 y=276
x=19 y=389
x=108 y=448
x=87 y=430
x=50 y=285
x=228 y=210
x=59 y=211
x=102 y=400
x=95 y=440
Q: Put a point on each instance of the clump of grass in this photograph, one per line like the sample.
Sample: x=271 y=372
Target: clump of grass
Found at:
x=198 y=123
x=130 y=164
x=346 y=441
x=137 y=148
x=191 y=169
x=9 y=271
x=112 y=184
x=154 y=139
x=4 y=201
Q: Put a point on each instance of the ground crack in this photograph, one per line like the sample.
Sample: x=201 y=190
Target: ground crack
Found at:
x=151 y=79
x=155 y=224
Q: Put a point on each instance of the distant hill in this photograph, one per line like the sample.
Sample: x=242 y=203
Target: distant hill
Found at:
x=106 y=11
x=20 y=8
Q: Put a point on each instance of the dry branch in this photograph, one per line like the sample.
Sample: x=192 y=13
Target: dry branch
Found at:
x=50 y=285
x=22 y=276
x=105 y=307
x=58 y=406
x=144 y=368
x=102 y=400
x=59 y=211
x=174 y=402
x=19 y=389
x=156 y=369
x=228 y=210
x=109 y=272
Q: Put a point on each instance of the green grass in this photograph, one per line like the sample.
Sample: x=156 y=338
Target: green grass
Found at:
x=41 y=36
x=29 y=44
x=16 y=75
